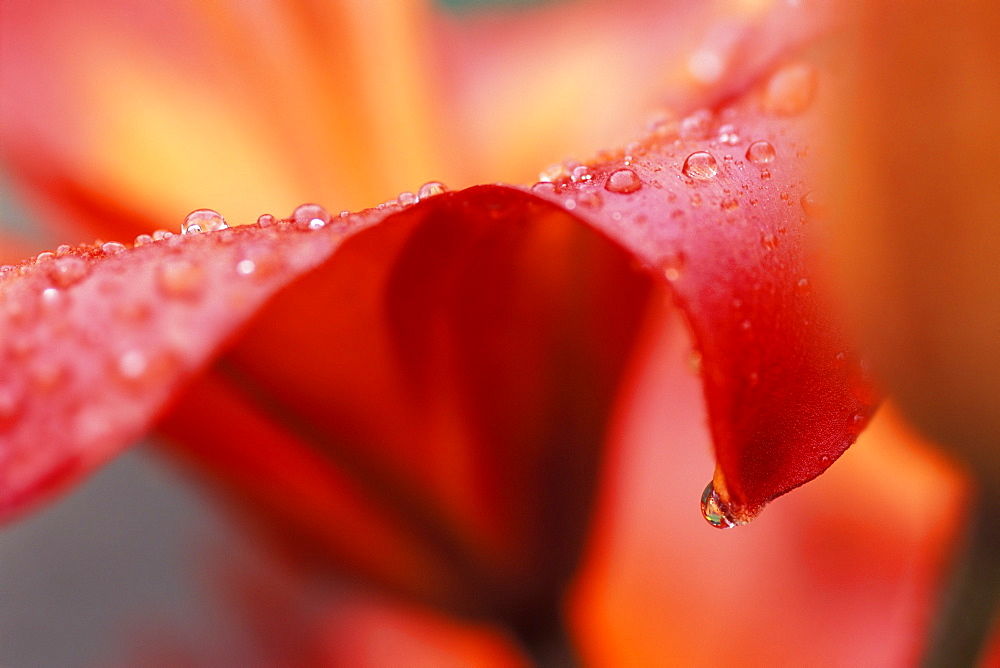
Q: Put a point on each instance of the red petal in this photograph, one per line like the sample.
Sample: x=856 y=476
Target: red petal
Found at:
x=723 y=217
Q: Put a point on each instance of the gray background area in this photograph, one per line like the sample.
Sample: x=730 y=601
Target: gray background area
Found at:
x=85 y=580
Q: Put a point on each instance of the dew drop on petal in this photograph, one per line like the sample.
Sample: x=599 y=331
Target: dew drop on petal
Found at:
x=696 y=126
x=160 y=235
x=760 y=153
x=246 y=267
x=812 y=205
x=203 y=220
x=68 y=270
x=430 y=189
x=142 y=240
x=63 y=249
x=112 y=248
x=769 y=241
x=700 y=165
x=311 y=216
x=623 y=181
x=581 y=173
x=728 y=135
x=266 y=220
x=406 y=198
x=590 y=199
x=45 y=256
x=714 y=510
x=544 y=188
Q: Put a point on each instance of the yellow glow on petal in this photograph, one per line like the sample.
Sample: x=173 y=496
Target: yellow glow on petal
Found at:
x=169 y=146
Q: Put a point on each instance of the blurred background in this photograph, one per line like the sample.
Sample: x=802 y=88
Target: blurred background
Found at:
x=119 y=118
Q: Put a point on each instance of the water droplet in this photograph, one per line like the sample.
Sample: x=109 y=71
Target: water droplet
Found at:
x=430 y=189
x=52 y=299
x=715 y=511
x=180 y=278
x=790 y=90
x=728 y=135
x=590 y=199
x=673 y=267
x=760 y=153
x=769 y=241
x=700 y=165
x=266 y=220
x=45 y=256
x=765 y=173
x=310 y=216
x=802 y=285
x=729 y=204
x=697 y=126
x=406 y=198
x=160 y=235
x=112 y=248
x=142 y=240
x=812 y=205
x=246 y=267
x=62 y=249
x=623 y=181
x=581 y=173
x=544 y=188
x=68 y=270
x=553 y=173
x=203 y=220
x=824 y=459
x=569 y=204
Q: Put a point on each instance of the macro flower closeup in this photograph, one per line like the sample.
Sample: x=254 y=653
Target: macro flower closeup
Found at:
x=466 y=424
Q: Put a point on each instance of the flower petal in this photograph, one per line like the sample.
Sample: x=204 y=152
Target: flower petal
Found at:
x=718 y=205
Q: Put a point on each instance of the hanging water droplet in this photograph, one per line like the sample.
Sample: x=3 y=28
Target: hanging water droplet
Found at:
x=310 y=216
x=68 y=270
x=715 y=511
x=203 y=220
x=760 y=153
x=266 y=220
x=406 y=198
x=112 y=248
x=700 y=165
x=790 y=90
x=430 y=189
x=180 y=278
x=623 y=181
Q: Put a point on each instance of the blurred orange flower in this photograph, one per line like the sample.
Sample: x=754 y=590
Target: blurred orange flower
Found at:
x=456 y=395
